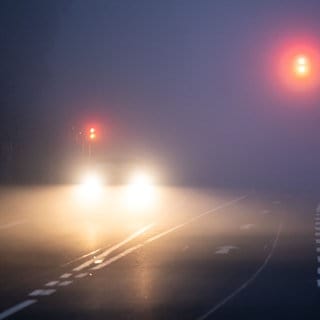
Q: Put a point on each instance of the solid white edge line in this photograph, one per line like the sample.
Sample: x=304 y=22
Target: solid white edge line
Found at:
x=245 y=284
x=17 y=308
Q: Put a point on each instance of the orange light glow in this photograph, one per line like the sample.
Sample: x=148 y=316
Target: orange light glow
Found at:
x=302 y=66
x=92 y=130
x=298 y=67
x=92 y=136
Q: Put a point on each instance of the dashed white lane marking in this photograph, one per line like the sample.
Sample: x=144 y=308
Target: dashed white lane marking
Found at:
x=12 y=224
x=113 y=248
x=250 y=280
x=225 y=249
x=65 y=283
x=317 y=234
x=66 y=275
x=81 y=275
x=16 y=308
x=47 y=292
x=318 y=283
x=318 y=270
x=97 y=261
x=318 y=259
x=42 y=292
x=51 y=283
x=247 y=226
x=318 y=249
x=317 y=241
x=318 y=208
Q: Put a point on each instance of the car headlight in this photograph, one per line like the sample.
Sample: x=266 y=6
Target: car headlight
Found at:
x=90 y=187
x=140 y=191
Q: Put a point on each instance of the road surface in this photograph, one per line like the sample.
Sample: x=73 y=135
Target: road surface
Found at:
x=173 y=253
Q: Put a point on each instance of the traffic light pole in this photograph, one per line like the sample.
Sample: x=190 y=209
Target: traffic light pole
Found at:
x=90 y=151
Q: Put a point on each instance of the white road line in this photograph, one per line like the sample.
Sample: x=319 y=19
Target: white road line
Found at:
x=249 y=281
x=317 y=241
x=46 y=292
x=318 y=270
x=65 y=283
x=225 y=249
x=162 y=234
x=318 y=259
x=317 y=234
x=318 y=284
x=317 y=228
x=81 y=275
x=66 y=275
x=51 y=283
x=12 y=224
x=117 y=257
x=42 y=292
x=113 y=248
x=16 y=308
x=181 y=225
x=318 y=249
x=82 y=257
x=318 y=208
x=97 y=250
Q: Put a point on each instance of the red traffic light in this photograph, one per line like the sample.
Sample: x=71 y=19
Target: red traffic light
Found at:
x=301 y=66
x=298 y=66
x=92 y=134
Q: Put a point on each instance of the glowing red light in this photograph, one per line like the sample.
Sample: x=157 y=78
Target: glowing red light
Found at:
x=302 y=66
x=299 y=66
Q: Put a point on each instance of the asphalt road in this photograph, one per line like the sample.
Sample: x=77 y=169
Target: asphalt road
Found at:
x=173 y=253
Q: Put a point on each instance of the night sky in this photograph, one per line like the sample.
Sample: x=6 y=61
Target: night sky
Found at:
x=192 y=85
